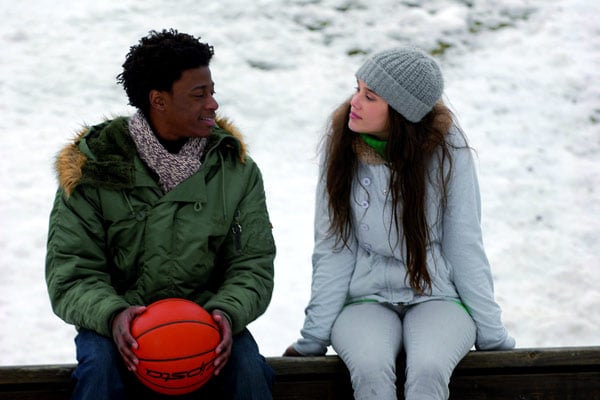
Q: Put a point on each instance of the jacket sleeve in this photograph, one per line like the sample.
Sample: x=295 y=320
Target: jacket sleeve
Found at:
x=76 y=268
x=463 y=246
x=332 y=270
x=248 y=254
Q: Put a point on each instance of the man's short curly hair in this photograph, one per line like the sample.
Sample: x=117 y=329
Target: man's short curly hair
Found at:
x=157 y=61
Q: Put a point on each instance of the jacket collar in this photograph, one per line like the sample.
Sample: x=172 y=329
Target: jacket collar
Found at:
x=104 y=155
x=366 y=153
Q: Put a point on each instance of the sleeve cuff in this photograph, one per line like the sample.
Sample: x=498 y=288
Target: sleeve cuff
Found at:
x=308 y=347
x=507 y=344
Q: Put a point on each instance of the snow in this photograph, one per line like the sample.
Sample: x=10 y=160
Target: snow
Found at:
x=522 y=77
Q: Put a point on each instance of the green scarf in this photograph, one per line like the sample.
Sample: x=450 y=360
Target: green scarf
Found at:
x=375 y=143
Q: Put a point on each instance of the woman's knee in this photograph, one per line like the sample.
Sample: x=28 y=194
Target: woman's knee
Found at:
x=429 y=369
x=372 y=371
x=368 y=337
x=427 y=378
x=372 y=379
x=367 y=360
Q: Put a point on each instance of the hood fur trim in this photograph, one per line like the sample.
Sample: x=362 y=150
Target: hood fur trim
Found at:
x=227 y=125
x=70 y=161
x=366 y=153
x=69 y=164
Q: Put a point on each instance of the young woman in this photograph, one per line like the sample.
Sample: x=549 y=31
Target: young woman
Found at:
x=399 y=261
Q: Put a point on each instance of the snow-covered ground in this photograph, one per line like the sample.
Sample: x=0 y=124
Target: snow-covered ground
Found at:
x=521 y=75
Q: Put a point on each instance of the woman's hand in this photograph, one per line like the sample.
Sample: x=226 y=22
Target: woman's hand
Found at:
x=291 y=352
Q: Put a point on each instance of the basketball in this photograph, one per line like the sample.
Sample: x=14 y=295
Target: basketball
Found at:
x=176 y=346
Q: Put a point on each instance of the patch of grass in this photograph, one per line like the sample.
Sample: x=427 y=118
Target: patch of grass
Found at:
x=262 y=65
x=510 y=20
x=350 y=5
x=356 y=52
x=313 y=24
x=440 y=49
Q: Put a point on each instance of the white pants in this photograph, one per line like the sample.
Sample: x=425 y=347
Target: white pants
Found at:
x=435 y=335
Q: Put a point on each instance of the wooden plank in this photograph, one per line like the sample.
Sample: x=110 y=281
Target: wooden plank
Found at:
x=315 y=378
x=34 y=374
x=313 y=390
x=542 y=386
x=569 y=373
x=307 y=365
x=46 y=394
x=534 y=357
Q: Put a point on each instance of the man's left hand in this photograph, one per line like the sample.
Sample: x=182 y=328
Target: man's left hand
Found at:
x=223 y=348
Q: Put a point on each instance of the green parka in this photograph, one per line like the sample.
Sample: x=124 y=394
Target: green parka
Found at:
x=116 y=239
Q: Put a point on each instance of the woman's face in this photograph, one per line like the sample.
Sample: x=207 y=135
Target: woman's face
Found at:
x=369 y=113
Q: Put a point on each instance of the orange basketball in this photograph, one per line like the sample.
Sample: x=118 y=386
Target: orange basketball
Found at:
x=176 y=346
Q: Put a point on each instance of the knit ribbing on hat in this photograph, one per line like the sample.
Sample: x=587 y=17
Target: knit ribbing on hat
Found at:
x=409 y=80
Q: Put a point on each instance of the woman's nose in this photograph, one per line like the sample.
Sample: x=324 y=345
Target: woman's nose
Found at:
x=354 y=102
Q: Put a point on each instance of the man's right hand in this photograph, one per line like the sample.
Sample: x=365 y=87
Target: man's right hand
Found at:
x=121 y=332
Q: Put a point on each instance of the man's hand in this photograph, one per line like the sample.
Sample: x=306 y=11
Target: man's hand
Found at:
x=121 y=332
x=224 y=348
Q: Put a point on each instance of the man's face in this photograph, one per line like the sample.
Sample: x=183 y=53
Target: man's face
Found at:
x=188 y=110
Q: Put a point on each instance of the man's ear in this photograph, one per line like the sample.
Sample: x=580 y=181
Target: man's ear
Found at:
x=157 y=100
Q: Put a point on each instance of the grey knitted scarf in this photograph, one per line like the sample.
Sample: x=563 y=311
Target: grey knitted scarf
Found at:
x=172 y=169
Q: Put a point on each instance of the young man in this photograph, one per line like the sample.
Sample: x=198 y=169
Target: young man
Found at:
x=162 y=204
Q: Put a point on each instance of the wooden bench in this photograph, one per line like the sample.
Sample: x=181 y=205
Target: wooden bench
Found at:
x=567 y=373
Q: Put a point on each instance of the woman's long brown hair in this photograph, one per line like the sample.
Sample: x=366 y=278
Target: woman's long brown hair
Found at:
x=410 y=148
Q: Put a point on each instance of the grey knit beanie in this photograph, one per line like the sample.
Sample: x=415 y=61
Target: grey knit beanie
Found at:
x=408 y=79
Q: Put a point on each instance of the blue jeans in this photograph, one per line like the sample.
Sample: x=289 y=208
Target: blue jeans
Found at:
x=101 y=373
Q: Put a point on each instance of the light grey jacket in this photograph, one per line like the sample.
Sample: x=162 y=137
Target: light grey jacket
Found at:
x=372 y=267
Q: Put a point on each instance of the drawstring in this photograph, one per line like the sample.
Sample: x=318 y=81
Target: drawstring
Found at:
x=128 y=203
x=223 y=185
x=140 y=215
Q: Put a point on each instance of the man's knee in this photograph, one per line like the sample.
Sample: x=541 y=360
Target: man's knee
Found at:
x=97 y=356
x=244 y=352
x=247 y=371
x=99 y=370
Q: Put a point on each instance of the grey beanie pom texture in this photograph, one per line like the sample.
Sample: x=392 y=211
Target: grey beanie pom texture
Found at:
x=408 y=79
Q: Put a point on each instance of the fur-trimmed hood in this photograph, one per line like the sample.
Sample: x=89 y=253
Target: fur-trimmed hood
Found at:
x=366 y=153
x=104 y=154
